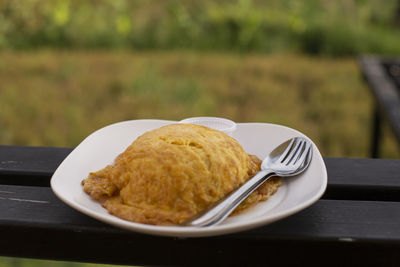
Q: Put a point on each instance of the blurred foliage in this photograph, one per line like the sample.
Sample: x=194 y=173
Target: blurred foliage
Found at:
x=345 y=27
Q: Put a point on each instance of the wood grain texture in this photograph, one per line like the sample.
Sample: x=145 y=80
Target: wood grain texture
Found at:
x=362 y=221
x=23 y=165
x=356 y=220
x=28 y=160
x=363 y=179
x=34 y=219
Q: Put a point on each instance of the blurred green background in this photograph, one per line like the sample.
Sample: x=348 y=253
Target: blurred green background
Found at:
x=68 y=68
x=337 y=28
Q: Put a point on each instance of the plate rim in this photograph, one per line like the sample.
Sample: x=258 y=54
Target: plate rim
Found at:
x=176 y=231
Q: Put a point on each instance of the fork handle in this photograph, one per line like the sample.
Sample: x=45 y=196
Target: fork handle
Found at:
x=218 y=211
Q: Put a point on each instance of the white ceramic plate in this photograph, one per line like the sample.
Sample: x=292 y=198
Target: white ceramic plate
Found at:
x=101 y=147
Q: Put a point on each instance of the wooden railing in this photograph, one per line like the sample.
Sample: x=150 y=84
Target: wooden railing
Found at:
x=356 y=223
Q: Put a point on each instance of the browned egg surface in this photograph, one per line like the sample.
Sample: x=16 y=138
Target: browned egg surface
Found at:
x=169 y=174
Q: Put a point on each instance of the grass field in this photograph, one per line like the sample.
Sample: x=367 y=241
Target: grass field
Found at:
x=57 y=98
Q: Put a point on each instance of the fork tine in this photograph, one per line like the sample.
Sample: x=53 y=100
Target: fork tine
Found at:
x=296 y=146
x=286 y=152
x=296 y=153
x=299 y=152
x=306 y=151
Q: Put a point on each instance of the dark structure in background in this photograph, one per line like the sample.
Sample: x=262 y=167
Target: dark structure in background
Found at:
x=383 y=77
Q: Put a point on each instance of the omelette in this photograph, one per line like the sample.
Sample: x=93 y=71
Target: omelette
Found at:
x=170 y=174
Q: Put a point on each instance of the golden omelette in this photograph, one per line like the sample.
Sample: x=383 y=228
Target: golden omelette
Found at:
x=171 y=173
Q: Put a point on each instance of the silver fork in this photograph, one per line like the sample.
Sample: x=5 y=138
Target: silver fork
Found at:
x=288 y=159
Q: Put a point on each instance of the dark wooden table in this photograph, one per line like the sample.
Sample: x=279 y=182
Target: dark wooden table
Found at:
x=356 y=223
